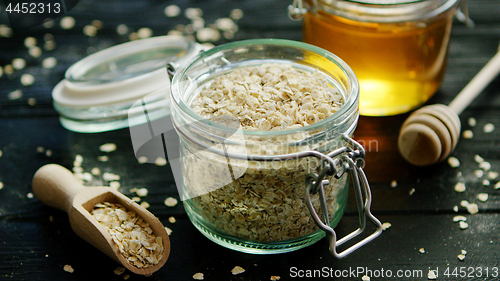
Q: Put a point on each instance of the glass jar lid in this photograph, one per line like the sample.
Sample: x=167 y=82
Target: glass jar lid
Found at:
x=100 y=91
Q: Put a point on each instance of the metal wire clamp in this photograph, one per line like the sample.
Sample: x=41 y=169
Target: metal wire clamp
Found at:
x=348 y=161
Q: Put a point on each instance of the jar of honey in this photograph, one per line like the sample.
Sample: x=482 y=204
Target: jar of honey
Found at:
x=397 y=48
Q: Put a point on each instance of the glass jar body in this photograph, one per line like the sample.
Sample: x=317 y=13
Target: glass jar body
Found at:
x=399 y=64
x=245 y=189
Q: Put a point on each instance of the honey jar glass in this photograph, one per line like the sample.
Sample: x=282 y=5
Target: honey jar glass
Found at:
x=397 y=49
x=267 y=191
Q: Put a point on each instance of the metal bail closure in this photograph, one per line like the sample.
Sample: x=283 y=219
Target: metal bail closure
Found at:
x=463 y=14
x=348 y=162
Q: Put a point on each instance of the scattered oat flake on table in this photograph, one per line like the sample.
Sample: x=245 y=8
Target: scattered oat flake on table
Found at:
x=472 y=208
x=103 y=158
x=365 y=278
x=274 y=278
x=492 y=175
x=172 y=11
x=394 y=183
x=110 y=177
x=49 y=63
x=114 y=185
x=119 y=270
x=30 y=195
x=236 y=14
x=122 y=29
x=5 y=31
x=127 y=276
x=486 y=182
x=15 y=95
x=472 y=121
x=107 y=147
x=483 y=197
x=142 y=159
x=30 y=42
x=160 y=161
x=67 y=22
x=488 y=128
x=468 y=134
x=198 y=276
x=144 y=32
x=168 y=230
x=485 y=166
x=386 y=225
x=170 y=202
x=455 y=208
x=1 y=185
x=78 y=159
x=421 y=250
x=68 y=268
x=90 y=30
x=460 y=187
x=27 y=79
x=411 y=191
x=145 y=204
x=171 y=220
x=208 y=34
x=453 y=162
x=463 y=225
x=141 y=192
x=18 y=63
x=431 y=275
x=192 y=13
x=459 y=218
x=95 y=171
x=237 y=270
x=461 y=257
x=479 y=173
x=31 y=101
x=478 y=159
x=497 y=185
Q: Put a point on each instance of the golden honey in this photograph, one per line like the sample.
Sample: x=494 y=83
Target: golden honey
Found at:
x=399 y=64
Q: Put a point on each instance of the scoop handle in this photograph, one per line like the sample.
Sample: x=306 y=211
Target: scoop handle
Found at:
x=56 y=186
x=476 y=85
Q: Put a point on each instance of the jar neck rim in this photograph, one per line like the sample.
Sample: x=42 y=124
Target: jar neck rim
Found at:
x=391 y=11
x=349 y=108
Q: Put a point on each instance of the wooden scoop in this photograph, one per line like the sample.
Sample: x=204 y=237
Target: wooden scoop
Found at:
x=431 y=133
x=57 y=187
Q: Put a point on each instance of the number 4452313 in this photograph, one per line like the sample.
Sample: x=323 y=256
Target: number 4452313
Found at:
x=470 y=272
x=34 y=8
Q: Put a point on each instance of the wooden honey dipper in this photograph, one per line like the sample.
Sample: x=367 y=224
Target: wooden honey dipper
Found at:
x=431 y=133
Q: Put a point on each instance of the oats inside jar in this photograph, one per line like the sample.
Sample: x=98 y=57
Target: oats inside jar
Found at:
x=263 y=200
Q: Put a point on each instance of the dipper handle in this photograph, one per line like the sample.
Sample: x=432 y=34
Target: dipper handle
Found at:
x=476 y=85
x=56 y=186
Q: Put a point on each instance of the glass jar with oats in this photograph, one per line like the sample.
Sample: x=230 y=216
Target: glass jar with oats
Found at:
x=264 y=128
x=397 y=48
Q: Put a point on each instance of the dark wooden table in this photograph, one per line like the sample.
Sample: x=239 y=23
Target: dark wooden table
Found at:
x=36 y=241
